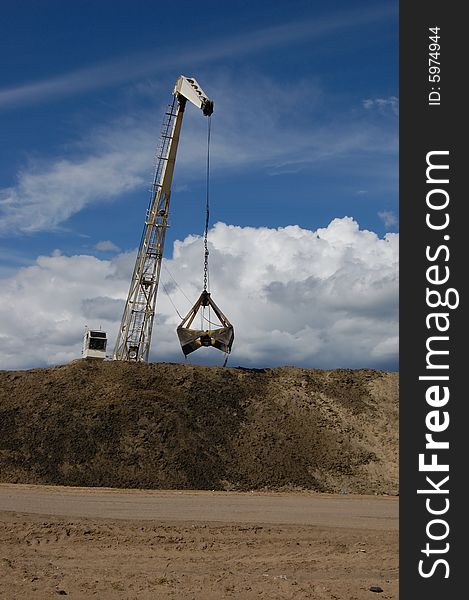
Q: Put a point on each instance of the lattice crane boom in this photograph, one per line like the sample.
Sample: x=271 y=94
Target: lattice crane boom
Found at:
x=134 y=337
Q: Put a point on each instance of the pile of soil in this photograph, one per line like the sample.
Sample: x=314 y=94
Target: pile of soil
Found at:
x=116 y=424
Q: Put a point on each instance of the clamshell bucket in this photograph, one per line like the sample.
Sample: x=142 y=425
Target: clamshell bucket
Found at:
x=193 y=339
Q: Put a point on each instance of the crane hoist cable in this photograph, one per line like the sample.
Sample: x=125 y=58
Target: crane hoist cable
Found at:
x=207 y=220
x=222 y=336
x=207 y=210
x=175 y=282
x=206 y=250
x=135 y=332
x=171 y=300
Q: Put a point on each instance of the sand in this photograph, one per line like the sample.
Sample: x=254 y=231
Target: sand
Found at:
x=173 y=426
x=219 y=545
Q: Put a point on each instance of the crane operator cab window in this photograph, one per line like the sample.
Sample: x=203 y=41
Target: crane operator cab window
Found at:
x=97 y=344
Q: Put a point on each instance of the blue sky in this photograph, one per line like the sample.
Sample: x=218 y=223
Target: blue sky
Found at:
x=304 y=129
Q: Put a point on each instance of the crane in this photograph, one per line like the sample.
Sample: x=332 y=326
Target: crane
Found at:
x=134 y=336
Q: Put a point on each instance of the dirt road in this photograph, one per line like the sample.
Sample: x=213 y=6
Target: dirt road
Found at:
x=126 y=544
x=324 y=510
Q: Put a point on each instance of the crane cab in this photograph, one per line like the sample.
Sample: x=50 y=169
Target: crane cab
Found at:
x=94 y=344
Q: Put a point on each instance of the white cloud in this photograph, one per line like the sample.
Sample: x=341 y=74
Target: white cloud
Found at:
x=388 y=217
x=106 y=246
x=48 y=193
x=322 y=298
x=116 y=159
x=383 y=105
x=196 y=52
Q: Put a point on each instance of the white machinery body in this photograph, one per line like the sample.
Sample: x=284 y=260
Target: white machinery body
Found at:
x=94 y=344
x=134 y=336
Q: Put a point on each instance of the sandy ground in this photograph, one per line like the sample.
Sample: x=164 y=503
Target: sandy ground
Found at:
x=122 y=544
x=171 y=426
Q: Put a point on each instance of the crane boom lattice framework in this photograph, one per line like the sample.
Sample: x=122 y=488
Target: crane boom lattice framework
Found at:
x=134 y=337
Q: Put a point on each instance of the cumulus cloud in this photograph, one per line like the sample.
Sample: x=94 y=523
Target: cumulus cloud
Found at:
x=324 y=298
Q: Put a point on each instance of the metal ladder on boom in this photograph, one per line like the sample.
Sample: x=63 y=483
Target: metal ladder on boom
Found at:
x=134 y=336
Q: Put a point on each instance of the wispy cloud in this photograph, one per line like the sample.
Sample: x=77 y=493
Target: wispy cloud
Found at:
x=46 y=195
x=134 y=67
x=383 y=105
x=106 y=246
x=388 y=217
x=116 y=159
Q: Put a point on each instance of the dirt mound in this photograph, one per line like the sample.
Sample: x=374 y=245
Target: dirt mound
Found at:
x=117 y=424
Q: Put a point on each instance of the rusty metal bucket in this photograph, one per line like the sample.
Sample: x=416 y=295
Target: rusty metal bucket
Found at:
x=193 y=339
